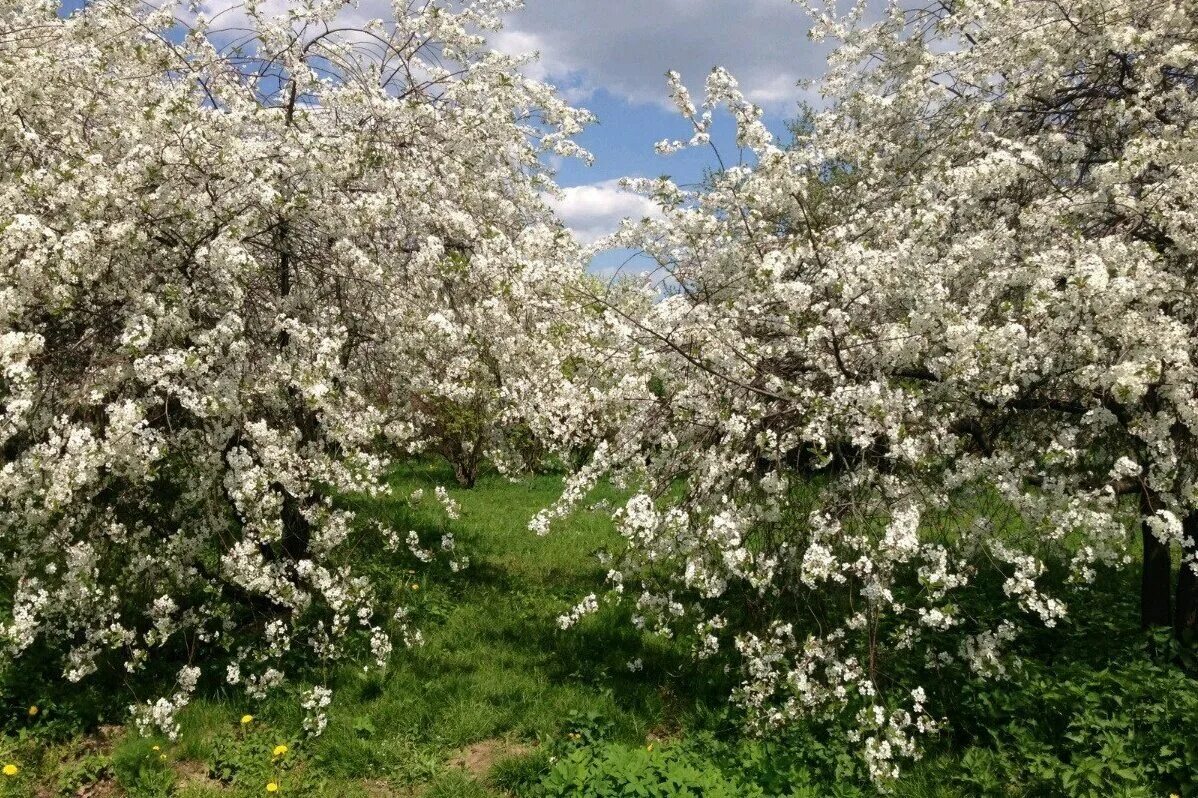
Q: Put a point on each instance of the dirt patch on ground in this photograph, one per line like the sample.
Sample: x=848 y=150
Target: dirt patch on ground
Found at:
x=663 y=734
x=95 y=746
x=191 y=773
x=478 y=758
x=101 y=789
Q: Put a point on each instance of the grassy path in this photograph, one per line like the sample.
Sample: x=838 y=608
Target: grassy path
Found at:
x=466 y=713
x=499 y=702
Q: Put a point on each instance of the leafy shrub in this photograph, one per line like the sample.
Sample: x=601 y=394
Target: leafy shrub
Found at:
x=252 y=758
x=1074 y=730
x=614 y=771
x=142 y=770
x=84 y=773
x=582 y=729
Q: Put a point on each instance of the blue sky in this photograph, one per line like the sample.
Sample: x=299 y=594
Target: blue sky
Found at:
x=611 y=57
x=622 y=141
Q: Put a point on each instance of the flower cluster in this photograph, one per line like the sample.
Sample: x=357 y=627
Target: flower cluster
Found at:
x=940 y=341
x=236 y=271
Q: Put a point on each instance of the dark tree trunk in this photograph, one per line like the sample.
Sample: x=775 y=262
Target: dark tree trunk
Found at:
x=1156 y=575
x=1185 y=621
x=465 y=459
x=466 y=473
x=297 y=532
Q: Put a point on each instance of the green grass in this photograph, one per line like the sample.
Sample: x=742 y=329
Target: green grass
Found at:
x=500 y=702
x=494 y=666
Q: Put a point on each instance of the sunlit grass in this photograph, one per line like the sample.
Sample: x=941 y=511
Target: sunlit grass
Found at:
x=497 y=693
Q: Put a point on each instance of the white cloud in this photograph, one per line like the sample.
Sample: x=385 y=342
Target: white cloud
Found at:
x=593 y=211
x=626 y=46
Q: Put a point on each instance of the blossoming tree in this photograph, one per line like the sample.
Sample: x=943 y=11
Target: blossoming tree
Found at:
x=215 y=246
x=943 y=344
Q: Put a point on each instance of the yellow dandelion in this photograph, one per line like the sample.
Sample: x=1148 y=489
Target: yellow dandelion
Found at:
x=33 y=710
x=280 y=750
x=155 y=747
x=11 y=770
x=247 y=719
x=415 y=586
x=162 y=756
x=272 y=786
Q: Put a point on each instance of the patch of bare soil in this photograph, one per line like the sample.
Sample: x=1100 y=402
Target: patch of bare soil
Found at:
x=478 y=758
x=98 y=743
x=195 y=774
x=102 y=789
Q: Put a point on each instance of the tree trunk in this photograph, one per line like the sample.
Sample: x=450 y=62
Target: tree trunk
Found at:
x=1185 y=622
x=297 y=532
x=1156 y=575
x=466 y=472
